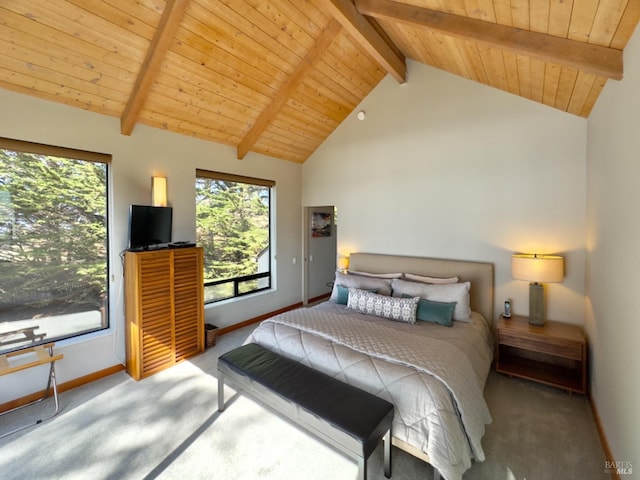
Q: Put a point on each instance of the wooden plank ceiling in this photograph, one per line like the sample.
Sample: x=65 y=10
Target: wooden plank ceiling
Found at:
x=278 y=76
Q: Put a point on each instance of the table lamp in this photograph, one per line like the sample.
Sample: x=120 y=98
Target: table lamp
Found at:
x=537 y=269
x=343 y=263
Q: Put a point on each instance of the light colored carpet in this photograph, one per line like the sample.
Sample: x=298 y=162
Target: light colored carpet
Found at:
x=167 y=426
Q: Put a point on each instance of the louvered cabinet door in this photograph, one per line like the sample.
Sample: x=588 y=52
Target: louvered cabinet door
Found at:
x=188 y=291
x=164 y=309
x=148 y=285
x=157 y=343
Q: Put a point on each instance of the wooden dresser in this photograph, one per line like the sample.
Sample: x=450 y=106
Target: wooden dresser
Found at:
x=554 y=353
x=164 y=308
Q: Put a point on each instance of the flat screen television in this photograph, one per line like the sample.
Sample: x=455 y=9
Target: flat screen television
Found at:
x=149 y=227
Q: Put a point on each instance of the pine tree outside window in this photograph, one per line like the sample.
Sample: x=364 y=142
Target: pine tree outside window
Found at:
x=53 y=243
x=233 y=226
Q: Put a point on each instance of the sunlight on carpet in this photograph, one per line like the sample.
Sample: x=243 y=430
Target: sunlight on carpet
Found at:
x=249 y=442
x=168 y=426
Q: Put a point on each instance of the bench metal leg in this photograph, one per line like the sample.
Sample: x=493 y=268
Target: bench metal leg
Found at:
x=220 y=391
x=51 y=384
x=387 y=454
x=362 y=462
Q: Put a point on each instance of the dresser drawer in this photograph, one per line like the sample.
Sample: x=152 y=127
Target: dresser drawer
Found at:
x=551 y=346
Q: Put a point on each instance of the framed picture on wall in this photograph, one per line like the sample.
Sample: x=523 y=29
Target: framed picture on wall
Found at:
x=320 y=224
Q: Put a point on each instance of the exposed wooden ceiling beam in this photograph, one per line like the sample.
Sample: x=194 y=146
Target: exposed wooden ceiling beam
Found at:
x=308 y=62
x=366 y=35
x=171 y=18
x=602 y=61
x=385 y=36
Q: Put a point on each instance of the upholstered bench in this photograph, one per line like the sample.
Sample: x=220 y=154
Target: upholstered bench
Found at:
x=347 y=418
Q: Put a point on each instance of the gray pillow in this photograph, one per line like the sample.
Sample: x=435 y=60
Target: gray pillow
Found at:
x=424 y=279
x=376 y=275
x=445 y=292
x=393 y=308
x=382 y=285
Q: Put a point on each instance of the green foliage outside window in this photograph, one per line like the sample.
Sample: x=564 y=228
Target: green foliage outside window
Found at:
x=53 y=235
x=232 y=227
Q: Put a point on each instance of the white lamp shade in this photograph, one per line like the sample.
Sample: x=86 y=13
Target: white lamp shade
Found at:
x=537 y=268
x=159 y=191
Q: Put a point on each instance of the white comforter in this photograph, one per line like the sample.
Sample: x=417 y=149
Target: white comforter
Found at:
x=434 y=375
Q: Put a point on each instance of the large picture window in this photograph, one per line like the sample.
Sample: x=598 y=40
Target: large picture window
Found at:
x=233 y=228
x=53 y=243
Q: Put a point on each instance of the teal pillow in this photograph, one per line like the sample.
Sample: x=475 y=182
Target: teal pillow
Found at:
x=435 y=312
x=343 y=294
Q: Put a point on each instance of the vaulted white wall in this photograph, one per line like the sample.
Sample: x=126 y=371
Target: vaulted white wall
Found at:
x=613 y=258
x=136 y=158
x=445 y=167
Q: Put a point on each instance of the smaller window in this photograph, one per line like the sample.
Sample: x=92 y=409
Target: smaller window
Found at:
x=233 y=227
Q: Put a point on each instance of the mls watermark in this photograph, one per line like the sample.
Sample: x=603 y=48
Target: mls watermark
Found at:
x=619 y=467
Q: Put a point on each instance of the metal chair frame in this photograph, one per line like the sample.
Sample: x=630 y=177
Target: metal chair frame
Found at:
x=44 y=354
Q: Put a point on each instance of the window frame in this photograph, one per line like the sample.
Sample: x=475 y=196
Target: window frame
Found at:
x=86 y=156
x=270 y=184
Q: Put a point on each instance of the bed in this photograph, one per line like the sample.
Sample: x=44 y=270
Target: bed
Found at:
x=433 y=374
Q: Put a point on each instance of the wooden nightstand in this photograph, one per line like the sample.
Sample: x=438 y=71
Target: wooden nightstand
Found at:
x=554 y=354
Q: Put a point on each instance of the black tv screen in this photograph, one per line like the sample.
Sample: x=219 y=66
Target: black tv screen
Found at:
x=149 y=226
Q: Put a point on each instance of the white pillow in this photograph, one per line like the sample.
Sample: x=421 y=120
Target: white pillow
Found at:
x=445 y=292
x=375 y=275
x=423 y=279
x=393 y=308
x=381 y=285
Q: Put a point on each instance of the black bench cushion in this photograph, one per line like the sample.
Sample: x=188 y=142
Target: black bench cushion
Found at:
x=354 y=411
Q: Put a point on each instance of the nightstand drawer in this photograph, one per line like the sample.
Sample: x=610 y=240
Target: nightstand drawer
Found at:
x=555 y=346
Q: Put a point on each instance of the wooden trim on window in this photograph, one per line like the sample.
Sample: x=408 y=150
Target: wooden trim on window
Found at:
x=42 y=149
x=230 y=177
